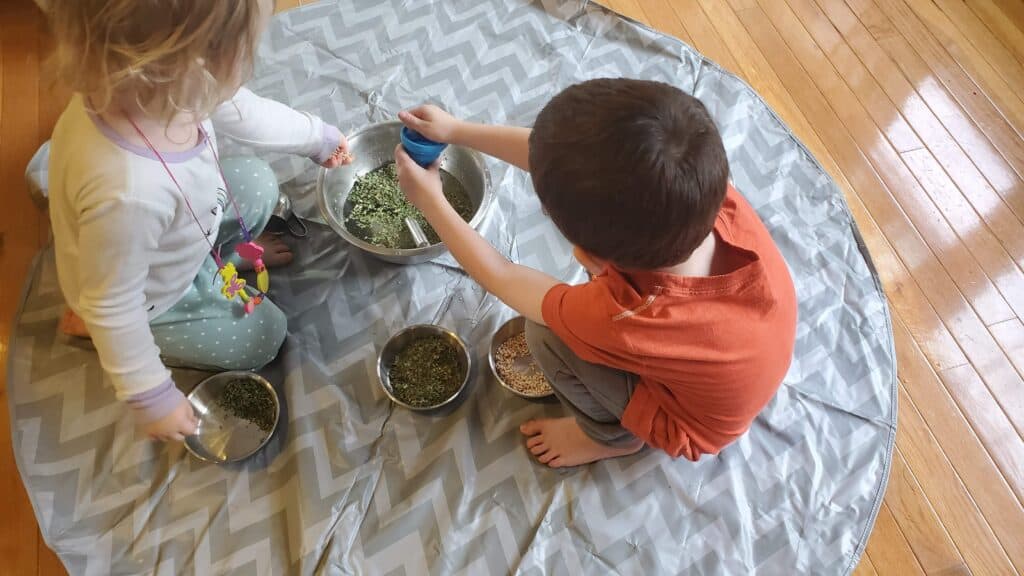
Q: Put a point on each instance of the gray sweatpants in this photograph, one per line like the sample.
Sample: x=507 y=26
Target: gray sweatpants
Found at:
x=595 y=395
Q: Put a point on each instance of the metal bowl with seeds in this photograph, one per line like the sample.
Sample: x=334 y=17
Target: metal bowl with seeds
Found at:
x=422 y=384
x=513 y=365
x=238 y=412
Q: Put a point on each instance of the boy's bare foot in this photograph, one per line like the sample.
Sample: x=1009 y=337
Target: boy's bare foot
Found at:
x=275 y=252
x=72 y=325
x=560 y=442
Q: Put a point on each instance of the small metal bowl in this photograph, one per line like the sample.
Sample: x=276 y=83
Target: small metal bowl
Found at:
x=399 y=341
x=507 y=330
x=373 y=147
x=221 y=437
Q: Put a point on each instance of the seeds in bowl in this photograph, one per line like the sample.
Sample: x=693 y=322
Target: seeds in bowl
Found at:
x=426 y=372
x=518 y=369
x=249 y=400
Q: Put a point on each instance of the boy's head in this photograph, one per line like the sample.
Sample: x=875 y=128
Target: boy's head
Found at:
x=165 y=56
x=631 y=171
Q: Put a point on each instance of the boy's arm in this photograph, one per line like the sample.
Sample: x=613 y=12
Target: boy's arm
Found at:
x=521 y=287
x=506 y=143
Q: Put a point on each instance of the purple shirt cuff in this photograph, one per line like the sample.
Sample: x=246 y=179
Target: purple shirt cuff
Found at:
x=155 y=403
x=332 y=139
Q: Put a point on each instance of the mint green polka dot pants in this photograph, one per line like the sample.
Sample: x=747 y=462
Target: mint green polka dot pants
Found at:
x=207 y=331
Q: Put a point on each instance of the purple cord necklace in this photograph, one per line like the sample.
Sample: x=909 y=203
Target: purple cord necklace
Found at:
x=232 y=286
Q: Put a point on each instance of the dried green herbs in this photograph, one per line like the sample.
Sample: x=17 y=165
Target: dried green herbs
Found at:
x=426 y=373
x=249 y=400
x=378 y=208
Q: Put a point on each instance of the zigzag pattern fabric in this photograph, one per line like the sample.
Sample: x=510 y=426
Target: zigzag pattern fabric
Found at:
x=351 y=484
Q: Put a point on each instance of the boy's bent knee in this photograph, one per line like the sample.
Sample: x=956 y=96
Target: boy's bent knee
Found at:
x=536 y=336
x=543 y=342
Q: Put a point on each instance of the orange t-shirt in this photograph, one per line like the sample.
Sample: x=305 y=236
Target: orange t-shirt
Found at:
x=710 y=352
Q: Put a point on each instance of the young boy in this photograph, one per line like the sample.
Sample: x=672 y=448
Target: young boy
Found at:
x=686 y=328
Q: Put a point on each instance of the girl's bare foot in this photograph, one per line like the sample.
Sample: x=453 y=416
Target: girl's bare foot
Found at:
x=275 y=252
x=560 y=442
x=72 y=325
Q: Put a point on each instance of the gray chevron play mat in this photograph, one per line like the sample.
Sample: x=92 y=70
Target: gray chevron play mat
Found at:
x=352 y=485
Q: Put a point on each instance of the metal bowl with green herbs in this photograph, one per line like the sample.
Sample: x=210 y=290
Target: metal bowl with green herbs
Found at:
x=363 y=204
x=424 y=367
x=238 y=412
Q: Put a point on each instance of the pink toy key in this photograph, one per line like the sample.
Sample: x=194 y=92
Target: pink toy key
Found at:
x=254 y=253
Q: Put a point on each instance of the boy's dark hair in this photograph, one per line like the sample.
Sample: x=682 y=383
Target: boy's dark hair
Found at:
x=633 y=172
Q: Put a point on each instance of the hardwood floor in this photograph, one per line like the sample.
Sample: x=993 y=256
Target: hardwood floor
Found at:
x=916 y=107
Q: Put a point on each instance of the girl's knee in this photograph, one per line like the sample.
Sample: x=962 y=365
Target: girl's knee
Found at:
x=277 y=324
x=253 y=184
x=245 y=169
x=255 y=342
x=271 y=327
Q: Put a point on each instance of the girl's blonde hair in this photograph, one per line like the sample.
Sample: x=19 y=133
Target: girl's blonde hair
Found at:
x=169 y=56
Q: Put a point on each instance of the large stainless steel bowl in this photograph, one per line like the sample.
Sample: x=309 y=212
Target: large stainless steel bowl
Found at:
x=399 y=341
x=374 y=146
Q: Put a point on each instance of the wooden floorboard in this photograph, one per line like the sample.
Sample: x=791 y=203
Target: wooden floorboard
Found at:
x=48 y=562
x=1013 y=10
x=888 y=549
x=964 y=298
x=933 y=426
x=979 y=66
x=865 y=567
x=1001 y=218
x=963 y=267
x=19 y=240
x=916 y=108
x=959 y=15
x=661 y=11
x=997 y=153
x=702 y=30
x=1000 y=26
x=921 y=526
x=939 y=64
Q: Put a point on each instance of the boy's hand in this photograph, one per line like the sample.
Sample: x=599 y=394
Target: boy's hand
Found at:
x=432 y=122
x=175 y=426
x=506 y=143
x=422 y=186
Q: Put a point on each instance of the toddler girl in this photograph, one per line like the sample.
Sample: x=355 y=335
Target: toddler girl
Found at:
x=149 y=224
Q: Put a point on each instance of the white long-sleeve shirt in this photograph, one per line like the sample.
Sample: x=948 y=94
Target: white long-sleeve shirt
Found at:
x=127 y=246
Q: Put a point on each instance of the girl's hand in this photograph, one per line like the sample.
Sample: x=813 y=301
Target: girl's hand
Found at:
x=432 y=122
x=341 y=155
x=175 y=426
x=422 y=186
